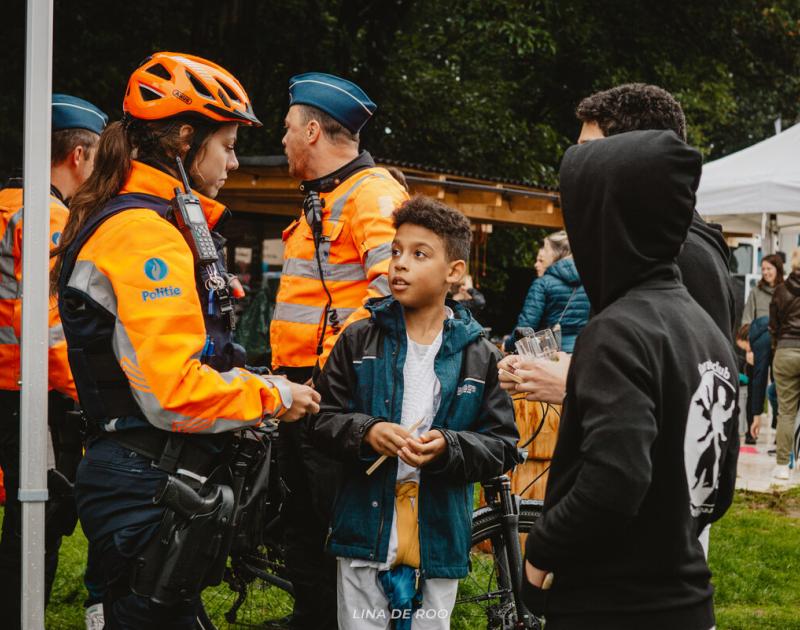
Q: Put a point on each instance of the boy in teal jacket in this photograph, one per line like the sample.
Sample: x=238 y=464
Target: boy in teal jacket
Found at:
x=416 y=382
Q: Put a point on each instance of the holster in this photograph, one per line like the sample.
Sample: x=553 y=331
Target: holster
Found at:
x=67 y=429
x=61 y=514
x=190 y=549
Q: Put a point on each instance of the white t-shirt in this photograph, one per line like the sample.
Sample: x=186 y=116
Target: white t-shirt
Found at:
x=422 y=394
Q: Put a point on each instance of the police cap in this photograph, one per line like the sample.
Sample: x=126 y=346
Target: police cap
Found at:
x=71 y=112
x=341 y=99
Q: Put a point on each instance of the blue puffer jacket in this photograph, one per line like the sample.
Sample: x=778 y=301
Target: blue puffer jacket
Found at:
x=362 y=384
x=548 y=298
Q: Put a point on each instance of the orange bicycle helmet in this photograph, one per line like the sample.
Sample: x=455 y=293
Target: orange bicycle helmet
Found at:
x=168 y=84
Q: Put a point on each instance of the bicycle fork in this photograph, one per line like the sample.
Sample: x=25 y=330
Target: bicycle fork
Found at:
x=510 y=519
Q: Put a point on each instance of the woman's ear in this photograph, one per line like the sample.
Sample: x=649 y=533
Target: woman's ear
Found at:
x=185 y=137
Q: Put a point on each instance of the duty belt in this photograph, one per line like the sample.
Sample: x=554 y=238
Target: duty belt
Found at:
x=193 y=456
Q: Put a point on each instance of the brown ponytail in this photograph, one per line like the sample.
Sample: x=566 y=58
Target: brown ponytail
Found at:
x=111 y=166
x=155 y=142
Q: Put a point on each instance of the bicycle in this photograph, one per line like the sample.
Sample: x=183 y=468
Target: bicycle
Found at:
x=492 y=590
x=255 y=580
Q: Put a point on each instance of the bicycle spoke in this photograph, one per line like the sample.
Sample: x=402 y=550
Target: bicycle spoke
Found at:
x=246 y=600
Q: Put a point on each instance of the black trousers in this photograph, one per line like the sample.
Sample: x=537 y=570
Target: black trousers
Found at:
x=11 y=539
x=114 y=491
x=312 y=480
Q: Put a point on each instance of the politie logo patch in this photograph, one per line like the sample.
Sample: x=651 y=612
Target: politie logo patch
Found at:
x=56 y=237
x=156 y=269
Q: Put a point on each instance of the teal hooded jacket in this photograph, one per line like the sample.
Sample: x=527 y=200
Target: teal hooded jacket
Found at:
x=361 y=384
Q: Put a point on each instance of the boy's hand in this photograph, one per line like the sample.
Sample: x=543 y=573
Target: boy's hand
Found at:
x=386 y=438
x=304 y=401
x=418 y=452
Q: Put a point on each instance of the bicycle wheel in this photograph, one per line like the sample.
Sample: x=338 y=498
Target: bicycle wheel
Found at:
x=485 y=595
x=254 y=593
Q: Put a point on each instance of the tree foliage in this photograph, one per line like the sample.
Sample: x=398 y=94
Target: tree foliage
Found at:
x=484 y=87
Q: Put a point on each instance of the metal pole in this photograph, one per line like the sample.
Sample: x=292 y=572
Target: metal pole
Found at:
x=35 y=267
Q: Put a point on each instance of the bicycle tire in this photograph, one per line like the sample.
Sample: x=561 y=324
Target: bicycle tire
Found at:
x=484 y=595
x=486 y=521
x=226 y=607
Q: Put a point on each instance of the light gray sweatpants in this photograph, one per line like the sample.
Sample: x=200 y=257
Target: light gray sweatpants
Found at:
x=363 y=605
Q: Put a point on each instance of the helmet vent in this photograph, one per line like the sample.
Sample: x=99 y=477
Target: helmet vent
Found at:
x=148 y=93
x=160 y=71
x=224 y=98
x=229 y=91
x=199 y=86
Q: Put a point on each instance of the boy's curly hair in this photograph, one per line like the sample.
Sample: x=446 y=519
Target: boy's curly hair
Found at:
x=632 y=107
x=448 y=224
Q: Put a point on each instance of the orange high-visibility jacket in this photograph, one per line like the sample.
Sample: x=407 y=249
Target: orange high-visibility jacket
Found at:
x=60 y=378
x=138 y=267
x=355 y=254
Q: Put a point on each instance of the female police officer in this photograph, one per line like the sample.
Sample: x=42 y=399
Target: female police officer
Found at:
x=148 y=328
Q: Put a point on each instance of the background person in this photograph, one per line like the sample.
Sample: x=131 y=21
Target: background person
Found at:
x=756 y=315
x=151 y=350
x=469 y=297
x=784 y=327
x=326 y=114
x=557 y=297
x=76 y=128
x=703 y=259
x=648 y=441
x=746 y=362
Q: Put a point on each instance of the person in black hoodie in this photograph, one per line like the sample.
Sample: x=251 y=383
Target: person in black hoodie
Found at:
x=703 y=261
x=648 y=443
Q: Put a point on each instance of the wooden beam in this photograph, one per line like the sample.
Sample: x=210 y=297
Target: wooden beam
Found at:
x=270 y=190
x=488 y=213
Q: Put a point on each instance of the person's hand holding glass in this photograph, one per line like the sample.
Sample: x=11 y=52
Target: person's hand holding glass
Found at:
x=539 y=370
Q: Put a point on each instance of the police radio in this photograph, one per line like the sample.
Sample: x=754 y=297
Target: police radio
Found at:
x=186 y=212
x=312 y=207
x=191 y=221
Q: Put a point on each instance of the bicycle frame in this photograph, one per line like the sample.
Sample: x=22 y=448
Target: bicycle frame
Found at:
x=498 y=494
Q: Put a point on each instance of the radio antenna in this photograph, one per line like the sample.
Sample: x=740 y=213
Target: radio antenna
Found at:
x=185 y=179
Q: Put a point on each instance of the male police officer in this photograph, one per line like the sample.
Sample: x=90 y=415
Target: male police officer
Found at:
x=336 y=256
x=76 y=126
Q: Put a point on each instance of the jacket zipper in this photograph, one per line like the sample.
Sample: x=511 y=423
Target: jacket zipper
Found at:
x=391 y=413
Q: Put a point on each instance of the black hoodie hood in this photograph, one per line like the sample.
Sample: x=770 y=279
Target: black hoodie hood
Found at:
x=711 y=233
x=628 y=201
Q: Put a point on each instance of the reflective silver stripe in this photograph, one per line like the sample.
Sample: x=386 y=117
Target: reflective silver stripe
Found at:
x=9 y=287
x=303 y=314
x=284 y=391
x=298 y=313
x=55 y=335
x=381 y=285
x=152 y=407
x=300 y=268
x=8 y=336
x=90 y=280
x=338 y=205
x=378 y=254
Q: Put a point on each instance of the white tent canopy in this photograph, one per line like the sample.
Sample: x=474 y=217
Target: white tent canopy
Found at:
x=764 y=179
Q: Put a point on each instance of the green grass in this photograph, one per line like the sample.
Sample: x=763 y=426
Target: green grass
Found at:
x=755 y=558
